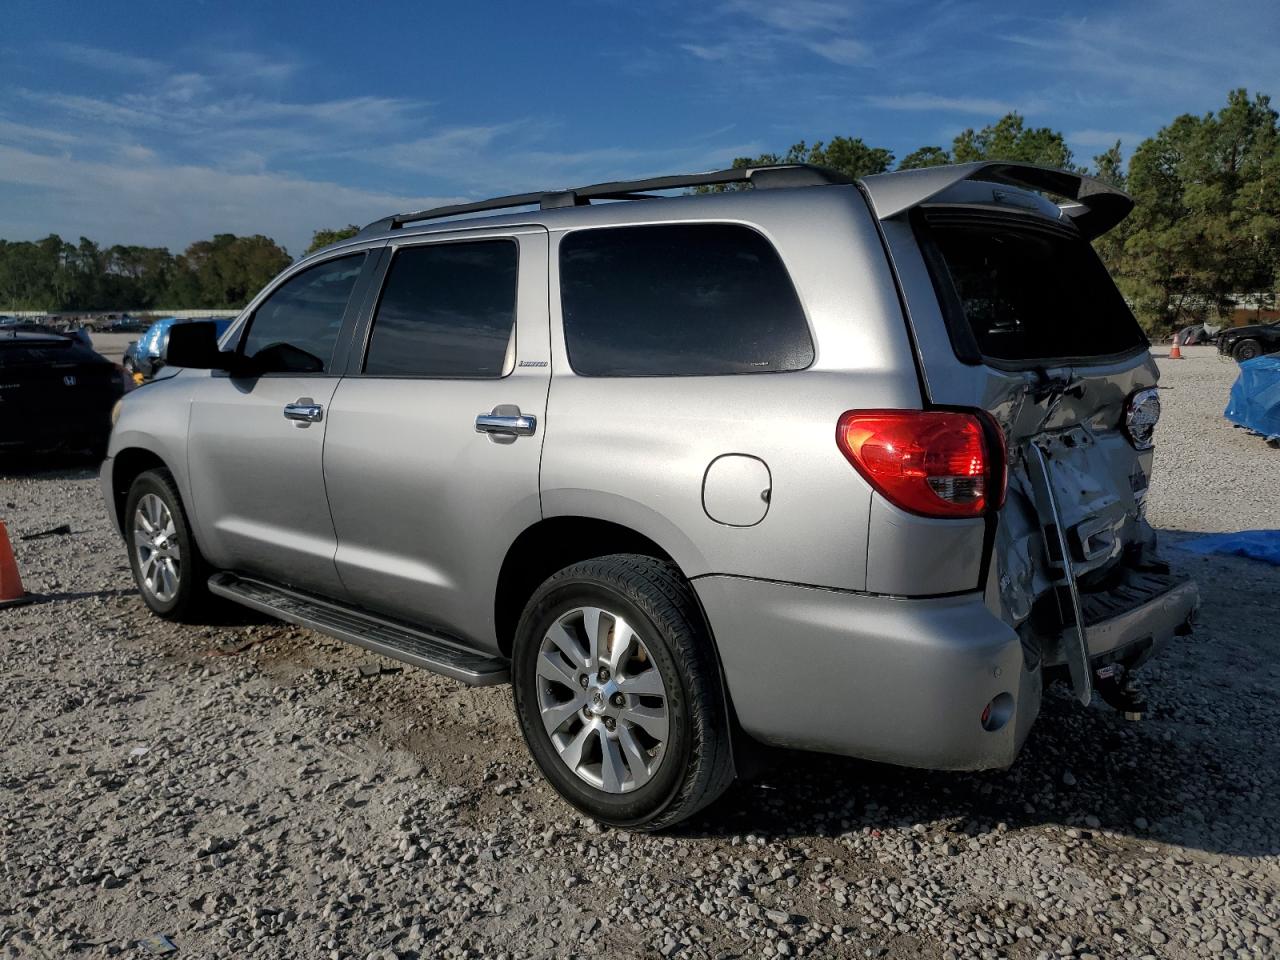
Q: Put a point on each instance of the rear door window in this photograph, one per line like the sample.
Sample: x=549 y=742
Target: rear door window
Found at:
x=679 y=300
x=1017 y=292
x=447 y=310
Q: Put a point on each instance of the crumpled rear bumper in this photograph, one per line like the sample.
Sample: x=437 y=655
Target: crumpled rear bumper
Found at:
x=1133 y=631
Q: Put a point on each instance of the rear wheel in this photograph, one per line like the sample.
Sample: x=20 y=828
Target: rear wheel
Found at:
x=1247 y=350
x=618 y=694
x=170 y=573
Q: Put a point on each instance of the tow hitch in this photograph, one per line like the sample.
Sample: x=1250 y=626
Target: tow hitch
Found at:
x=1119 y=690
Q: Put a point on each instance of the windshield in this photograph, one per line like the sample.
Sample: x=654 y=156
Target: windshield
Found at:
x=1019 y=291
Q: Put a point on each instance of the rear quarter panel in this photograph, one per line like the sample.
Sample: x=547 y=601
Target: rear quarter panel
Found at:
x=635 y=450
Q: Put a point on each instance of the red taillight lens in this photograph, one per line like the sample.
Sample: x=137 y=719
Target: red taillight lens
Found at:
x=937 y=463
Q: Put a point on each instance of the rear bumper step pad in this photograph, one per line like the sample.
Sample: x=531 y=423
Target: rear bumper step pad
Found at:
x=407 y=644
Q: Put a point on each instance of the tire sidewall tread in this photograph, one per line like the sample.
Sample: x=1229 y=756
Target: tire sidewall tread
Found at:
x=658 y=591
x=193 y=596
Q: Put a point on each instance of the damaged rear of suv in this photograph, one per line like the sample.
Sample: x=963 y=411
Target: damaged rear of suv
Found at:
x=849 y=467
x=1013 y=313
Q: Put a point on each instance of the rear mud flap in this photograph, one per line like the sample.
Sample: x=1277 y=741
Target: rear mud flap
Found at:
x=1075 y=647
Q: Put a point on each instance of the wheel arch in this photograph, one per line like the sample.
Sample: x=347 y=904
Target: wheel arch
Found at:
x=552 y=544
x=126 y=466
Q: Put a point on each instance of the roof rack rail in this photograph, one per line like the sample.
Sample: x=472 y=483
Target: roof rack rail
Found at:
x=762 y=177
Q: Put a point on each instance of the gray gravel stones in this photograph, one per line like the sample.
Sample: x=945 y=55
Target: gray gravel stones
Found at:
x=287 y=806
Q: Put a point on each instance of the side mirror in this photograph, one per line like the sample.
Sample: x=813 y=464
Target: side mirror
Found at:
x=195 y=345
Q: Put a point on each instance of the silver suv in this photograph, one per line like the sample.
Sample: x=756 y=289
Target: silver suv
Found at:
x=847 y=467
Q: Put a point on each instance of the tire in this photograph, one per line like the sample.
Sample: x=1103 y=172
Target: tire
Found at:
x=181 y=593
x=1246 y=350
x=656 y=780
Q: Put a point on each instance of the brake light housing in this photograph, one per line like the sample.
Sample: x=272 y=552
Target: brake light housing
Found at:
x=1141 y=414
x=933 y=463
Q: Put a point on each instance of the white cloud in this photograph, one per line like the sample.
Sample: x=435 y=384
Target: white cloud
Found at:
x=23 y=132
x=759 y=30
x=247 y=65
x=842 y=50
x=109 y=61
x=718 y=52
x=942 y=104
x=174 y=204
x=794 y=16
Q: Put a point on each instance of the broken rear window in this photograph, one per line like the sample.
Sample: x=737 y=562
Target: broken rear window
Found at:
x=1016 y=291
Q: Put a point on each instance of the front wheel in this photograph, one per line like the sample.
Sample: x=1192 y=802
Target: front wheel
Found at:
x=618 y=693
x=170 y=573
x=1247 y=350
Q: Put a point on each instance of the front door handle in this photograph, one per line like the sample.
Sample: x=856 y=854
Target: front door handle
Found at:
x=305 y=411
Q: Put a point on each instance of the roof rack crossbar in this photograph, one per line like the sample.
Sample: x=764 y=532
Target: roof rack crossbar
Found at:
x=762 y=178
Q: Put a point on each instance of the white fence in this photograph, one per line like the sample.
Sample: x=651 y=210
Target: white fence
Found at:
x=112 y=314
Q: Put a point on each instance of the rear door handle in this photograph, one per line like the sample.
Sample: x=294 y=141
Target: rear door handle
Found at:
x=520 y=425
x=304 y=410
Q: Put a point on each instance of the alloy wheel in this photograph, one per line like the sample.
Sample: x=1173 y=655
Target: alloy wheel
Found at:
x=602 y=700
x=155 y=541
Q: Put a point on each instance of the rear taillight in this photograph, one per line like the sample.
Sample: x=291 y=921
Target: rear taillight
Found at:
x=937 y=463
x=1141 y=413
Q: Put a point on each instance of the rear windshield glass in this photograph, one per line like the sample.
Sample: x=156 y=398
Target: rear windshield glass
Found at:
x=1025 y=293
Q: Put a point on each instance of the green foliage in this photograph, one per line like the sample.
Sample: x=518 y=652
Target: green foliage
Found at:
x=323 y=238
x=1010 y=139
x=54 y=275
x=1206 y=225
x=846 y=155
x=924 y=157
x=1109 y=167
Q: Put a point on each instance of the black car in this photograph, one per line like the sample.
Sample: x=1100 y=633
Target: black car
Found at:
x=1245 y=343
x=56 y=393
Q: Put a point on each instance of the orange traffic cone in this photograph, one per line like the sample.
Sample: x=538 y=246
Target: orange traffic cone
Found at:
x=11 y=592
x=1175 y=352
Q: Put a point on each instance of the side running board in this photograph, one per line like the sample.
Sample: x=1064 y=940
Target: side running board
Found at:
x=386 y=637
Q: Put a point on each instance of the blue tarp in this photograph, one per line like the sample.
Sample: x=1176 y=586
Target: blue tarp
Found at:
x=1255 y=396
x=1255 y=544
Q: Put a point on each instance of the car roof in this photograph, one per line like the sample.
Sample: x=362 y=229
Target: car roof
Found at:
x=1092 y=205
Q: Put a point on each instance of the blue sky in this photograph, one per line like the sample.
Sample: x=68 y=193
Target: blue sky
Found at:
x=163 y=123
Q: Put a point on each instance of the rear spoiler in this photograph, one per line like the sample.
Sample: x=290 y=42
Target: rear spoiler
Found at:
x=1093 y=206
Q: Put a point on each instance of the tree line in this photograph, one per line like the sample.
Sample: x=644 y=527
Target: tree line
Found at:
x=60 y=277
x=1205 y=229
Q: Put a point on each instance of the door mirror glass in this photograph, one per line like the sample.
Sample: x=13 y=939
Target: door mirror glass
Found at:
x=195 y=345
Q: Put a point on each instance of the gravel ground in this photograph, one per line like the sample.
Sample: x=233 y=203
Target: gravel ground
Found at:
x=243 y=791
